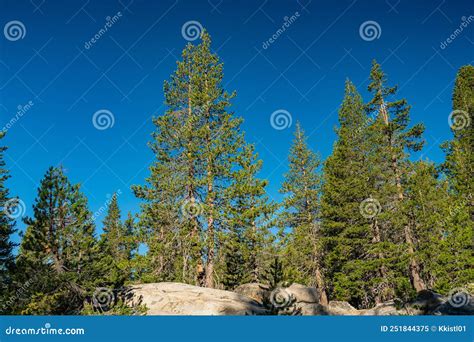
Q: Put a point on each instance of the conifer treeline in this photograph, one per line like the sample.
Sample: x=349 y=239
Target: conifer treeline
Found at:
x=368 y=225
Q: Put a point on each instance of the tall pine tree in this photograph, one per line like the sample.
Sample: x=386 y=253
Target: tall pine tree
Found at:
x=116 y=245
x=458 y=167
x=58 y=248
x=301 y=215
x=393 y=140
x=247 y=240
x=442 y=229
x=197 y=144
x=352 y=256
x=459 y=164
x=7 y=228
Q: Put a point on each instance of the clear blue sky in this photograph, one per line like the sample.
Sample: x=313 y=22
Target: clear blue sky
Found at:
x=302 y=72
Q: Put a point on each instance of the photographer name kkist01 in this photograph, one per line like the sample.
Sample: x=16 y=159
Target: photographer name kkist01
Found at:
x=422 y=328
x=452 y=328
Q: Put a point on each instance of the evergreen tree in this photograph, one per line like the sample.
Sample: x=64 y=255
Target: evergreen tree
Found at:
x=460 y=157
x=301 y=214
x=442 y=229
x=130 y=246
x=233 y=268
x=116 y=246
x=248 y=217
x=458 y=167
x=352 y=257
x=274 y=276
x=393 y=140
x=172 y=244
x=197 y=143
x=58 y=248
x=277 y=301
x=7 y=228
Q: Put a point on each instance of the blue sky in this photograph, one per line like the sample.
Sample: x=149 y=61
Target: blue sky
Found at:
x=302 y=72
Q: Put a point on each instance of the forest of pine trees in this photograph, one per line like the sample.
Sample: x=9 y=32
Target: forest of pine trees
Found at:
x=368 y=224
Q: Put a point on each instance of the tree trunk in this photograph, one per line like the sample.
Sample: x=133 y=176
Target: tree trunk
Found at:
x=320 y=284
x=253 y=262
x=52 y=247
x=316 y=254
x=210 y=202
x=382 y=271
x=210 y=229
x=210 y=242
x=195 y=253
x=415 y=277
x=323 y=299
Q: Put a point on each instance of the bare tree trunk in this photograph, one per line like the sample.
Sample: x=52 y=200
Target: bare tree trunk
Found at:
x=323 y=299
x=320 y=283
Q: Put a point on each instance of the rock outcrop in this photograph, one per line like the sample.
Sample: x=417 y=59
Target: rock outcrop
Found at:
x=254 y=290
x=338 y=308
x=253 y=299
x=182 y=299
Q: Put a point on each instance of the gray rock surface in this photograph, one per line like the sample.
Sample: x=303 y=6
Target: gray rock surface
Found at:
x=249 y=299
x=336 y=307
x=304 y=294
x=253 y=290
x=182 y=299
